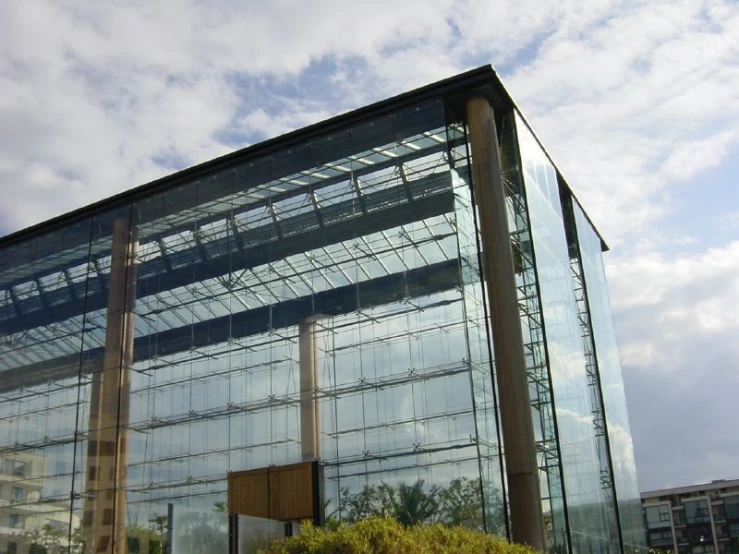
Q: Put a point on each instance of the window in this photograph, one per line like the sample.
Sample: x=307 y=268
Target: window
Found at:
x=679 y=516
x=19 y=494
x=133 y=545
x=14 y=521
x=13 y=467
x=658 y=517
x=700 y=534
x=660 y=538
x=731 y=505
x=696 y=511
x=19 y=469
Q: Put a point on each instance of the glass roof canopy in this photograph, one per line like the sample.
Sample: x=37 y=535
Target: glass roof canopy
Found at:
x=287 y=243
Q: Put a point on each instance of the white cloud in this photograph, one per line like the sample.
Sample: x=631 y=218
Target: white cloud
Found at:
x=677 y=318
x=678 y=283
x=730 y=221
x=694 y=156
x=651 y=83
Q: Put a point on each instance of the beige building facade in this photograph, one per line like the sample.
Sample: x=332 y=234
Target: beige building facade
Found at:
x=29 y=522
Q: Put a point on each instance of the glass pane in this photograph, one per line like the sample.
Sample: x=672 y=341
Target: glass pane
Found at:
x=40 y=385
x=612 y=387
x=585 y=503
x=256 y=533
x=532 y=327
x=199 y=531
x=478 y=347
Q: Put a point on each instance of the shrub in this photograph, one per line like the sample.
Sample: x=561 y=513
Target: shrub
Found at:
x=387 y=536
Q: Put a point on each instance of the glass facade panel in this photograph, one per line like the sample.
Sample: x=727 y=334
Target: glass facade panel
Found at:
x=585 y=504
x=612 y=387
x=532 y=327
x=312 y=303
x=39 y=411
x=199 y=532
x=479 y=352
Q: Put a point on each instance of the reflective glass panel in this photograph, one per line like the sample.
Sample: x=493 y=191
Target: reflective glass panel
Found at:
x=585 y=503
x=39 y=398
x=310 y=303
x=612 y=387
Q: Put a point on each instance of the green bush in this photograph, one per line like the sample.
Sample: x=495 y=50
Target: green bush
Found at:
x=387 y=536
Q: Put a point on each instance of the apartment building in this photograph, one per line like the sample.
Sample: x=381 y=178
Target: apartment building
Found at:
x=29 y=521
x=694 y=519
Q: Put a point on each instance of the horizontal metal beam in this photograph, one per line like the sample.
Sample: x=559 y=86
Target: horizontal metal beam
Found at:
x=397 y=287
x=342 y=221
x=174 y=205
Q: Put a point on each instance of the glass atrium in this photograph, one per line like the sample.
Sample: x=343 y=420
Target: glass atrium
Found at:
x=320 y=297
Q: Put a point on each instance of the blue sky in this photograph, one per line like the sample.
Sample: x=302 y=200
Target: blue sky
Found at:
x=638 y=102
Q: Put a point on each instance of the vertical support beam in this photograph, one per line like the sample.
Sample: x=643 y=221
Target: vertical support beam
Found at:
x=107 y=451
x=170 y=529
x=515 y=403
x=310 y=445
x=233 y=533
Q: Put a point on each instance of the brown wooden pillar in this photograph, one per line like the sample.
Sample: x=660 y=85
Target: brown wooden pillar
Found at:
x=510 y=363
x=310 y=440
x=104 y=518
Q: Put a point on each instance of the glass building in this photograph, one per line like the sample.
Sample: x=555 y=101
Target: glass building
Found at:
x=339 y=294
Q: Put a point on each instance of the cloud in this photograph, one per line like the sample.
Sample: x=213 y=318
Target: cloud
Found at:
x=630 y=96
x=681 y=294
x=694 y=156
x=678 y=320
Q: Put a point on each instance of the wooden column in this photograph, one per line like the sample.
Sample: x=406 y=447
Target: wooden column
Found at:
x=310 y=440
x=510 y=363
x=107 y=450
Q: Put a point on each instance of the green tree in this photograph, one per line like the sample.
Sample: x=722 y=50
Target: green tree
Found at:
x=458 y=504
x=461 y=503
x=411 y=504
x=144 y=540
x=49 y=539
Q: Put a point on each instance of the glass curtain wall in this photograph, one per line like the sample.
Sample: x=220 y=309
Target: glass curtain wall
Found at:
x=532 y=326
x=479 y=339
x=612 y=386
x=591 y=369
x=39 y=416
x=584 y=500
x=148 y=351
